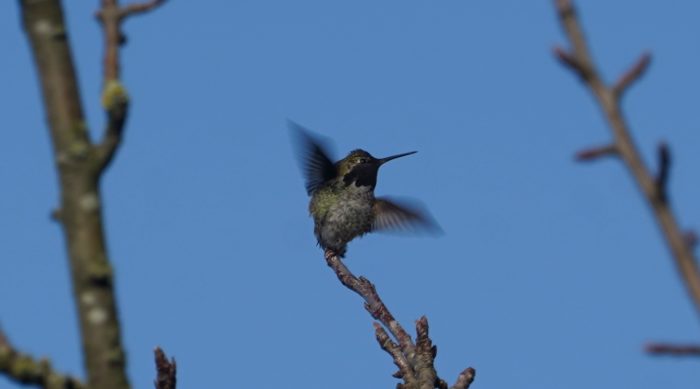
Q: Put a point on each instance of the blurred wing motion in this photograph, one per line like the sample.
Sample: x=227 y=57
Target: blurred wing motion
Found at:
x=316 y=165
x=390 y=215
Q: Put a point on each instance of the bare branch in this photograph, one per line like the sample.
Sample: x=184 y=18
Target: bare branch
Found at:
x=608 y=98
x=632 y=74
x=166 y=371
x=414 y=360
x=25 y=370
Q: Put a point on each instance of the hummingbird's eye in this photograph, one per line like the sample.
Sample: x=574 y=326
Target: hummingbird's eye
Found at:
x=362 y=160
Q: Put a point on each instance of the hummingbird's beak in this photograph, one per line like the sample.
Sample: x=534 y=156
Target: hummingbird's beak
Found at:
x=382 y=161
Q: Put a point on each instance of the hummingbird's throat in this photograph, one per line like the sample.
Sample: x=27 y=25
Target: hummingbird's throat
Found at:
x=362 y=175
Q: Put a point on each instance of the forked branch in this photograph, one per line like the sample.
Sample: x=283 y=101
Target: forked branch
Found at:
x=80 y=164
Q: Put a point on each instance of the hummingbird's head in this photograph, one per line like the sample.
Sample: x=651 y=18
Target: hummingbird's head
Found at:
x=361 y=167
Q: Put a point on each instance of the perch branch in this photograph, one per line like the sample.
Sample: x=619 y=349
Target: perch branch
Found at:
x=414 y=360
x=608 y=98
x=166 y=371
x=24 y=369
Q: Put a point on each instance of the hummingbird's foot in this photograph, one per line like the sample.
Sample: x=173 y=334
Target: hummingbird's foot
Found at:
x=334 y=253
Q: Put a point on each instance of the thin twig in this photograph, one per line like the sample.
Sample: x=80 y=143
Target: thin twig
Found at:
x=593 y=153
x=633 y=74
x=608 y=98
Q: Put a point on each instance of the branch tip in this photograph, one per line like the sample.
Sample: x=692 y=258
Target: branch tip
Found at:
x=422 y=330
x=166 y=370
x=465 y=379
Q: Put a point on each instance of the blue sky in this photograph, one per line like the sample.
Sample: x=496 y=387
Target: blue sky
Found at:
x=551 y=274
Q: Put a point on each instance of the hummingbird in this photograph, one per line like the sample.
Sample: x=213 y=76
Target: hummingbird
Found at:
x=343 y=204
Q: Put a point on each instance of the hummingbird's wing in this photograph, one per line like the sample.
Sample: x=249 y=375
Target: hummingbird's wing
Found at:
x=391 y=215
x=316 y=164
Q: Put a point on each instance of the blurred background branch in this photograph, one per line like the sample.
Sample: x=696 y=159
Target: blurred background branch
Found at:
x=653 y=187
x=80 y=164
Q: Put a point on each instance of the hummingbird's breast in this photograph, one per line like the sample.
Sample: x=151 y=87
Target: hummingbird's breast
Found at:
x=341 y=213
